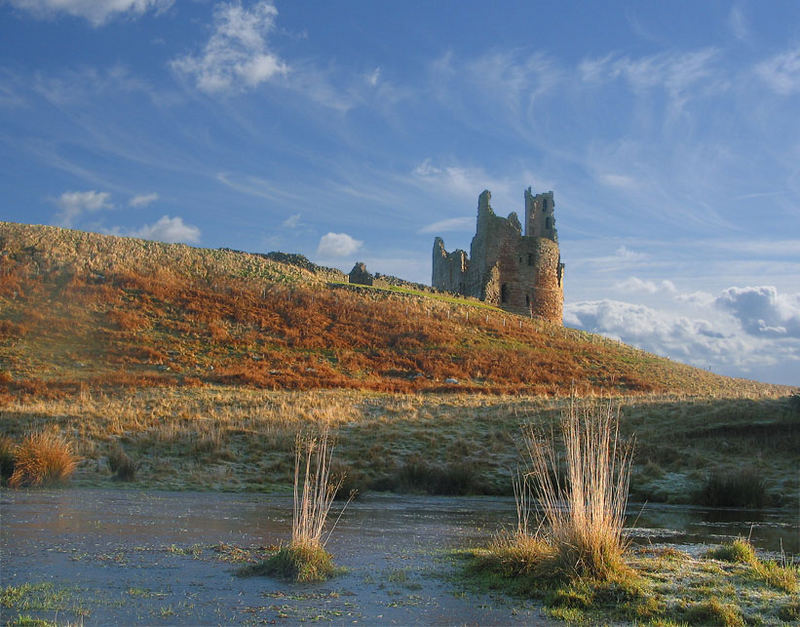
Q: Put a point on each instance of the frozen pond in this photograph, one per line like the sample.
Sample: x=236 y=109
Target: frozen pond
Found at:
x=124 y=556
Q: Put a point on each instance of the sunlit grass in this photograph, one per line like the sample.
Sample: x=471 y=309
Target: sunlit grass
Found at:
x=42 y=458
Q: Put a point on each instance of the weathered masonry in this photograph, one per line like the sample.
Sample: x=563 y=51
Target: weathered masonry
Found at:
x=519 y=273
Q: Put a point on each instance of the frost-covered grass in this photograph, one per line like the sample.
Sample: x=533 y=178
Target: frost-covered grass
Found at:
x=663 y=586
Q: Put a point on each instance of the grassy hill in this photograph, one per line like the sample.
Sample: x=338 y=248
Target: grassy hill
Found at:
x=201 y=365
x=87 y=309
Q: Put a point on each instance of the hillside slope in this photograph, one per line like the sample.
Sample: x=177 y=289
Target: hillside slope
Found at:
x=80 y=309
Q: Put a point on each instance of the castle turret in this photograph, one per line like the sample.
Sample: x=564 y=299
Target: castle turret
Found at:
x=519 y=273
x=540 y=219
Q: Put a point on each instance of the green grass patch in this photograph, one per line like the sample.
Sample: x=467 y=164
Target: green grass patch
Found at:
x=715 y=612
x=739 y=551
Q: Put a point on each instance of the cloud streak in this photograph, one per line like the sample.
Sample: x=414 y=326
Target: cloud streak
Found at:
x=143 y=200
x=96 y=12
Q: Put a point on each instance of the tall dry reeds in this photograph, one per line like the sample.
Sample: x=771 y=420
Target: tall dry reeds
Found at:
x=305 y=558
x=312 y=501
x=583 y=507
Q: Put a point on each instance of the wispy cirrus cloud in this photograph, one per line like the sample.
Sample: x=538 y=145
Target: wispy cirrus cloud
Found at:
x=466 y=223
x=738 y=24
x=463 y=181
x=681 y=75
x=292 y=222
x=143 y=200
x=781 y=72
x=96 y=12
x=237 y=56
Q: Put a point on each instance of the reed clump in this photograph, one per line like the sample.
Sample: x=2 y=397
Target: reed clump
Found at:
x=578 y=529
x=305 y=558
x=583 y=509
x=42 y=458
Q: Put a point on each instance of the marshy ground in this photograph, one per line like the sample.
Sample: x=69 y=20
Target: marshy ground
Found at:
x=124 y=556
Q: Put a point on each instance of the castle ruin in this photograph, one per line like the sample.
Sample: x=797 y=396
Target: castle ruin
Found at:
x=519 y=273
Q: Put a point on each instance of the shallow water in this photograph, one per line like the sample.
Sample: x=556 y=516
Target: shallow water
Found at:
x=129 y=556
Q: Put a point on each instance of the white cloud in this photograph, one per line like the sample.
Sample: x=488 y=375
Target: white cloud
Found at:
x=762 y=311
x=168 y=229
x=237 y=55
x=98 y=12
x=623 y=253
x=782 y=72
x=292 y=222
x=373 y=77
x=635 y=284
x=693 y=340
x=742 y=332
x=73 y=204
x=449 y=225
x=337 y=245
x=143 y=200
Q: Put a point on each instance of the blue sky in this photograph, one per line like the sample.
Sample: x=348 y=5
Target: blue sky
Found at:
x=669 y=132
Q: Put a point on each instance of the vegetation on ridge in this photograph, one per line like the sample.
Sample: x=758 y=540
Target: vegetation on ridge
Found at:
x=174 y=367
x=83 y=309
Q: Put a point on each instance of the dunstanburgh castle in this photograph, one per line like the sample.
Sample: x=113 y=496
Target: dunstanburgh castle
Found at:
x=519 y=273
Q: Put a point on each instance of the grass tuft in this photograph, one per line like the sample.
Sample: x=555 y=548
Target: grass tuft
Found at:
x=7 y=460
x=734 y=488
x=715 y=612
x=782 y=576
x=739 y=551
x=296 y=562
x=574 y=557
x=42 y=458
x=123 y=467
x=451 y=479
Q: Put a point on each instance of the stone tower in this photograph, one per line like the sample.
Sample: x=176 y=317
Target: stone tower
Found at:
x=519 y=273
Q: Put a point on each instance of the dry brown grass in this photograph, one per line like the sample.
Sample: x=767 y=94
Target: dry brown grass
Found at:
x=234 y=438
x=114 y=312
x=41 y=459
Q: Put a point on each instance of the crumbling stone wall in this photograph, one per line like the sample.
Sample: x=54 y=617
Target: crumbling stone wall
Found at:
x=519 y=273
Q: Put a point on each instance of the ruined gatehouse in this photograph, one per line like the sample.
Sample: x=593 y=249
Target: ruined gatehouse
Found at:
x=519 y=273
